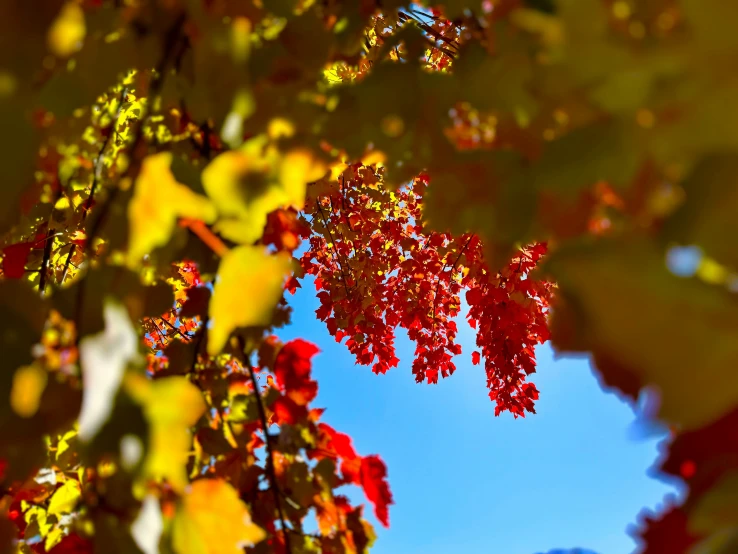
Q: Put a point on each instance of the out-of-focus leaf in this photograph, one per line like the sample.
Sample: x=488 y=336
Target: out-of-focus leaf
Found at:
x=146 y=530
x=28 y=386
x=620 y=302
x=249 y=284
x=172 y=405
x=68 y=30
x=707 y=218
x=212 y=519
x=104 y=359
x=248 y=183
x=152 y=212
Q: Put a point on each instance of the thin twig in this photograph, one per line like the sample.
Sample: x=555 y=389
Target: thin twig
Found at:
x=270 y=453
x=99 y=164
x=172 y=40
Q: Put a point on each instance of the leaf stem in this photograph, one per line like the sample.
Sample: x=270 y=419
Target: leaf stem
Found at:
x=207 y=236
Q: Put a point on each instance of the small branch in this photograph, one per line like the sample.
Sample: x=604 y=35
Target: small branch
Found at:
x=172 y=41
x=270 y=453
x=46 y=258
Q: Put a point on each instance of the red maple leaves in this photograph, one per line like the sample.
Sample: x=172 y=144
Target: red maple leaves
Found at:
x=292 y=369
x=377 y=269
x=368 y=471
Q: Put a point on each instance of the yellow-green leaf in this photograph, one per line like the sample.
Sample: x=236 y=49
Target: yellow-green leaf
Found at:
x=65 y=498
x=249 y=183
x=171 y=405
x=249 y=284
x=158 y=201
x=212 y=519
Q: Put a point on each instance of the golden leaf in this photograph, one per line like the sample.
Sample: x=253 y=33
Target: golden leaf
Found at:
x=247 y=184
x=171 y=405
x=68 y=30
x=65 y=498
x=158 y=201
x=212 y=519
x=29 y=383
x=249 y=284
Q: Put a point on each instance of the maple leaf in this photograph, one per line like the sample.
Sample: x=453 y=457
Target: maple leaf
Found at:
x=151 y=212
x=212 y=519
x=15 y=257
x=249 y=183
x=171 y=405
x=292 y=369
x=374 y=483
x=246 y=291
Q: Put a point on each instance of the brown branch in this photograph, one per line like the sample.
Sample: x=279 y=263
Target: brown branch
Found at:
x=46 y=258
x=203 y=232
x=171 y=43
x=269 y=450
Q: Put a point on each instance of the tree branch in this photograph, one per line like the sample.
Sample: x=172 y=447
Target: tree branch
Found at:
x=269 y=450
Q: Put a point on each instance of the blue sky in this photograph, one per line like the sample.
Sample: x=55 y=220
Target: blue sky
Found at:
x=465 y=481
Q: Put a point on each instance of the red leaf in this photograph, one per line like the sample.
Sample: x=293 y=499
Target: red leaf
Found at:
x=288 y=411
x=336 y=444
x=475 y=358
x=292 y=370
x=667 y=533
x=376 y=488
x=15 y=258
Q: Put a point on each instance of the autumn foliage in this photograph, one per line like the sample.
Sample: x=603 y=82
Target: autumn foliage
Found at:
x=174 y=170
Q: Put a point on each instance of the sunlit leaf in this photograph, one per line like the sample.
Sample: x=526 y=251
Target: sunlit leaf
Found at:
x=152 y=212
x=65 y=498
x=28 y=386
x=212 y=519
x=68 y=31
x=249 y=284
x=171 y=405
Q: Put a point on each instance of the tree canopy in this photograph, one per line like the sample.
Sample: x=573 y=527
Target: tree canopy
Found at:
x=173 y=170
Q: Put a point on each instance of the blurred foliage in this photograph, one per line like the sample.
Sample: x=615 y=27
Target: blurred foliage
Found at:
x=160 y=153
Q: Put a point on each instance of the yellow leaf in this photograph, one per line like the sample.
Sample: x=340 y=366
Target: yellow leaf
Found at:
x=247 y=184
x=29 y=383
x=171 y=405
x=212 y=519
x=298 y=167
x=158 y=201
x=65 y=498
x=249 y=284
x=53 y=538
x=68 y=30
